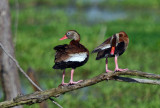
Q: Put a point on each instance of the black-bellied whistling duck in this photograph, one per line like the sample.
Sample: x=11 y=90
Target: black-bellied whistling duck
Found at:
x=70 y=56
x=113 y=47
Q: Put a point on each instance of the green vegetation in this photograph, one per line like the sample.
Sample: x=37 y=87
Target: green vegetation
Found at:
x=40 y=28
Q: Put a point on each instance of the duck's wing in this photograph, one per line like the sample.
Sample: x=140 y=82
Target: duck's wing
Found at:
x=105 y=45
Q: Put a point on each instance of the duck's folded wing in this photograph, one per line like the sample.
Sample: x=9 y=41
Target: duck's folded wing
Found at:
x=105 y=45
x=77 y=57
x=60 y=54
x=67 y=53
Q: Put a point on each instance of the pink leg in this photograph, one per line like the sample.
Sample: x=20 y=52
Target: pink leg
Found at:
x=63 y=79
x=107 y=66
x=116 y=63
x=71 y=81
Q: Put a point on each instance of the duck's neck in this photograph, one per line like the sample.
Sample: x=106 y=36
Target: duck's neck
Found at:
x=76 y=38
x=74 y=42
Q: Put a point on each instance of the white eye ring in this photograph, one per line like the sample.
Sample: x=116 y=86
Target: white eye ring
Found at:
x=68 y=33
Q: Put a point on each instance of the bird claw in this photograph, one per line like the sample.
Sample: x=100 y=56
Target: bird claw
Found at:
x=120 y=70
x=72 y=82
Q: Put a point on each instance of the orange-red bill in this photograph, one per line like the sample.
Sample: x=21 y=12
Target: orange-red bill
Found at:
x=112 y=50
x=65 y=37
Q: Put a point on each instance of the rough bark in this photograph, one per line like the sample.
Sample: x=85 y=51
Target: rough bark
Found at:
x=9 y=73
x=40 y=96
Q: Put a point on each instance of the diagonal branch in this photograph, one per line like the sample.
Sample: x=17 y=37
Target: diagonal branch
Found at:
x=22 y=71
x=44 y=95
x=17 y=64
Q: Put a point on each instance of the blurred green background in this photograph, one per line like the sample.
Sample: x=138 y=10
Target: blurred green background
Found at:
x=41 y=23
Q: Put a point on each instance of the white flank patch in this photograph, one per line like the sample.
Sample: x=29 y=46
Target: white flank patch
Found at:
x=106 y=46
x=79 y=57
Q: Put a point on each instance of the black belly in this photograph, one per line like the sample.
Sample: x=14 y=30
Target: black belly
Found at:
x=119 y=50
x=69 y=64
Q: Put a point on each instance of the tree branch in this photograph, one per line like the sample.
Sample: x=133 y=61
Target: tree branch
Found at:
x=140 y=74
x=22 y=71
x=44 y=95
x=136 y=80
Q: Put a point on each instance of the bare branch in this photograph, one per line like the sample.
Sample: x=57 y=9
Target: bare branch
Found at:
x=22 y=71
x=20 y=68
x=136 y=80
x=140 y=74
x=44 y=95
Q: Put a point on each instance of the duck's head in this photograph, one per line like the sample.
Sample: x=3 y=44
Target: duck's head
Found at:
x=122 y=34
x=71 y=34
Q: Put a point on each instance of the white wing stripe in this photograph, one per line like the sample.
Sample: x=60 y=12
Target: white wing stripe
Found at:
x=106 y=46
x=77 y=57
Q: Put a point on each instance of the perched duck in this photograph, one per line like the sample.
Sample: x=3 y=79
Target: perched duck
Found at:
x=113 y=47
x=70 y=56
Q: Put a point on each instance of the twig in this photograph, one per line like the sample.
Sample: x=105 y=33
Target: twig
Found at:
x=21 y=70
x=44 y=95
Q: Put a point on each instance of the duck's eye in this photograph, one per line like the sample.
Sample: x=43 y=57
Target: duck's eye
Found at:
x=68 y=33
